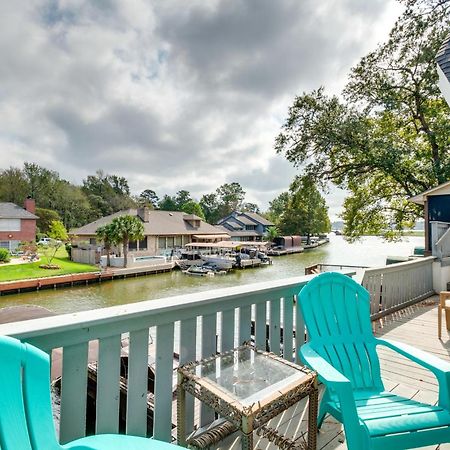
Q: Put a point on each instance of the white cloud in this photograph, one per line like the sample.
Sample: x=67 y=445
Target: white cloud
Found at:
x=172 y=94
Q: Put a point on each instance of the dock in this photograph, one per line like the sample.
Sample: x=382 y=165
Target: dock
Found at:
x=59 y=281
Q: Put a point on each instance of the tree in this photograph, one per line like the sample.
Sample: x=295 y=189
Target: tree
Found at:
x=272 y=233
x=125 y=229
x=210 y=207
x=148 y=197
x=181 y=198
x=192 y=207
x=46 y=217
x=13 y=186
x=58 y=235
x=107 y=194
x=168 y=203
x=250 y=207
x=388 y=138
x=277 y=207
x=306 y=212
x=231 y=196
x=107 y=234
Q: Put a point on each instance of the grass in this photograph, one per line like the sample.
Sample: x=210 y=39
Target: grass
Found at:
x=32 y=270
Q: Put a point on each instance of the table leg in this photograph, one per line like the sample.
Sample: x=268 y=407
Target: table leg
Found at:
x=181 y=413
x=312 y=417
x=247 y=433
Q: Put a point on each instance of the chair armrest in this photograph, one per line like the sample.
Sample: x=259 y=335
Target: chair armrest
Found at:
x=436 y=365
x=326 y=372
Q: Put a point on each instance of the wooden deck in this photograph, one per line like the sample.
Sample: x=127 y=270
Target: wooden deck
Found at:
x=416 y=325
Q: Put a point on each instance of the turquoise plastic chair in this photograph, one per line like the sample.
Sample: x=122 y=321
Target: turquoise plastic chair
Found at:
x=342 y=350
x=26 y=421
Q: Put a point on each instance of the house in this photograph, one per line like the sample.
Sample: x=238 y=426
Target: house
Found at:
x=163 y=231
x=245 y=226
x=436 y=205
x=443 y=68
x=17 y=224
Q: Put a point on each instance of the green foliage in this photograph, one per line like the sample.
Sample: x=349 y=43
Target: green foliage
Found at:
x=228 y=197
x=46 y=217
x=272 y=233
x=58 y=231
x=277 y=207
x=4 y=255
x=149 y=198
x=388 y=138
x=192 y=207
x=125 y=229
x=107 y=194
x=109 y=236
x=68 y=246
x=58 y=235
x=250 y=207
x=306 y=212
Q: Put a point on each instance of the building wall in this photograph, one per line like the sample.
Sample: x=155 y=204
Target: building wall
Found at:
x=27 y=232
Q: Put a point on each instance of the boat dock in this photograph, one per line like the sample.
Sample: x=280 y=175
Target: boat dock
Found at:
x=58 y=281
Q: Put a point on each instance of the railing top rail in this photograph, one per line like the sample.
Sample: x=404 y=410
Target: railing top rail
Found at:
x=177 y=307
x=407 y=265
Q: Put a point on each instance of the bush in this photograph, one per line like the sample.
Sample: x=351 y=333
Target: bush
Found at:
x=69 y=250
x=4 y=255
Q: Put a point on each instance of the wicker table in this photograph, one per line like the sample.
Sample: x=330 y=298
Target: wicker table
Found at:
x=246 y=388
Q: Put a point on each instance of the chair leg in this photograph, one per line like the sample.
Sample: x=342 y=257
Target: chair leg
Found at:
x=439 y=321
x=321 y=417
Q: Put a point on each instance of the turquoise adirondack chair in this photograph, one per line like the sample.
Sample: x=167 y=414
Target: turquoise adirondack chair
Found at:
x=342 y=350
x=26 y=421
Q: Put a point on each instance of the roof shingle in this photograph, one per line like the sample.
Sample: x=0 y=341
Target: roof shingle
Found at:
x=12 y=211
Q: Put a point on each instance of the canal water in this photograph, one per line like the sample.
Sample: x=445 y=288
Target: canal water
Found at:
x=370 y=251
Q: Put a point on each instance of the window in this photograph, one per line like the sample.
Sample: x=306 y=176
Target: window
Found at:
x=92 y=241
x=9 y=224
x=170 y=242
x=132 y=245
x=178 y=241
x=143 y=244
x=162 y=243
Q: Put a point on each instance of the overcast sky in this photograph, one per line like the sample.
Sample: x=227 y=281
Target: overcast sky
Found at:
x=172 y=94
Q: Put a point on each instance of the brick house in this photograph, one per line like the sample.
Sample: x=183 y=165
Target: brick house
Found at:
x=17 y=224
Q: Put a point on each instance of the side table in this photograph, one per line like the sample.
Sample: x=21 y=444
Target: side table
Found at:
x=246 y=387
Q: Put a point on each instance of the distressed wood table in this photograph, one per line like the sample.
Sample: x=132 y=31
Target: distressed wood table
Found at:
x=246 y=388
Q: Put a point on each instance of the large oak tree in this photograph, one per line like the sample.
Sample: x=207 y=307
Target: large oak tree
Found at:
x=388 y=136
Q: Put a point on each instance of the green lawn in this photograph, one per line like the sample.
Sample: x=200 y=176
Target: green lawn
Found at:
x=31 y=270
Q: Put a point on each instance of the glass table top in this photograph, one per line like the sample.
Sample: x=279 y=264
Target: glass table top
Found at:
x=247 y=375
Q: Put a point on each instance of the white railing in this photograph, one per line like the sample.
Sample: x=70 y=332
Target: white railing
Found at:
x=195 y=325
x=397 y=286
x=440 y=239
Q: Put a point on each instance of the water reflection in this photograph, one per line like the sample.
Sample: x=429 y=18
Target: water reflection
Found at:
x=370 y=251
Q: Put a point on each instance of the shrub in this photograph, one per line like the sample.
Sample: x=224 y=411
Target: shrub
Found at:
x=69 y=250
x=4 y=255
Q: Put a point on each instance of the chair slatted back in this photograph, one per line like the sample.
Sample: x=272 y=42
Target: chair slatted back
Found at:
x=336 y=311
x=26 y=421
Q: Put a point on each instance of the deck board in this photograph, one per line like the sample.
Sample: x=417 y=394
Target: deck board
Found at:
x=417 y=326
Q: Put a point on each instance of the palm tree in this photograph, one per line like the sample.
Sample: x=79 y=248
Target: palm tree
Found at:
x=106 y=234
x=272 y=233
x=126 y=229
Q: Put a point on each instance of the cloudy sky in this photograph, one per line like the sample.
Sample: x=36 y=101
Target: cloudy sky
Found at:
x=172 y=94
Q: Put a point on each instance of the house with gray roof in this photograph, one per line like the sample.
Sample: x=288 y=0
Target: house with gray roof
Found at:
x=163 y=231
x=17 y=223
x=443 y=68
x=245 y=226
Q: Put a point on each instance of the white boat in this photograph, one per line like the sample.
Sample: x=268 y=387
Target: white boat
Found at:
x=222 y=262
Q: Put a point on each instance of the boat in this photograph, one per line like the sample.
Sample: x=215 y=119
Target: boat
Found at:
x=223 y=262
x=200 y=271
